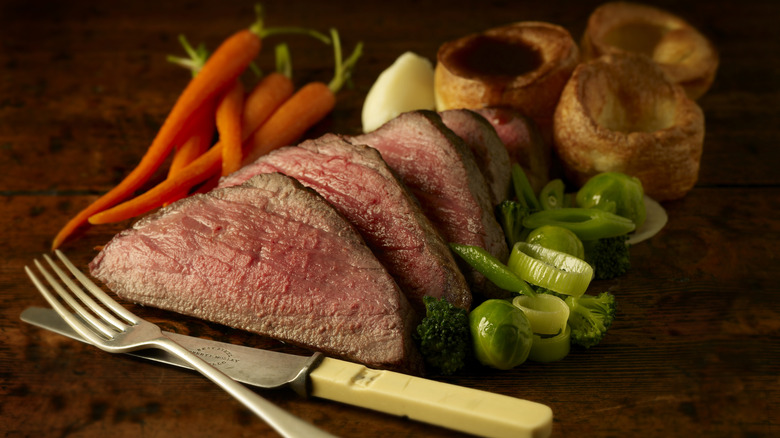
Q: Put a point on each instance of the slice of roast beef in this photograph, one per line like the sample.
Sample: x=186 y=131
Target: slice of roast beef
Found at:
x=361 y=186
x=524 y=143
x=489 y=151
x=441 y=172
x=270 y=257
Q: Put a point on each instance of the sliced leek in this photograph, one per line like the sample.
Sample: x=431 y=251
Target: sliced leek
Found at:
x=550 y=269
x=546 y=313
x=551 y=348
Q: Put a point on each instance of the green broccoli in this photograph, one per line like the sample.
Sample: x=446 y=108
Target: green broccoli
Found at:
x=444 y=336
x=590 y=317
x=609 y=256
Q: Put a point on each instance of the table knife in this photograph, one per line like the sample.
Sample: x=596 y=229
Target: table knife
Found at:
x=442 y=404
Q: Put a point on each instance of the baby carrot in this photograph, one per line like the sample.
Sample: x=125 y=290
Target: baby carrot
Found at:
x=196 y=172
x=196 y=144
x=288 y=123
x=263 y=100
x=228 y=120
x=209 y=163
x=193 y=148
x=310 y=104
x=222 y=68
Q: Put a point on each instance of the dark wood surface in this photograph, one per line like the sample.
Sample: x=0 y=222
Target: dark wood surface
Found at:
x=84 y=85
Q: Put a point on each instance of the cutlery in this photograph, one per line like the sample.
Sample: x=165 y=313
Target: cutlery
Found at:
x=446 y=405
x=114 y=329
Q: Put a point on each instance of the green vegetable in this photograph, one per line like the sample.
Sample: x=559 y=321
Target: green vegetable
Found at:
x=590 y=317
x=523 y=190
x=492 y=268
x=586 y=223
x=616 y=193
x=609 y=257
x=550 y=269
x=551 y=196
x=444 y=336
x=551 y=348
x=557 y=238
x=547 y=314
x=510 y=215
x=501 y=334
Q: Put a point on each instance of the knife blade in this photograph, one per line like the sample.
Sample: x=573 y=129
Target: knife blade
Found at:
x=239 y=362
x=454 y=407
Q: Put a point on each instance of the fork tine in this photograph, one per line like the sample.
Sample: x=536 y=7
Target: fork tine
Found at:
x=85 y=298
x=96 y=291
x=74 y=322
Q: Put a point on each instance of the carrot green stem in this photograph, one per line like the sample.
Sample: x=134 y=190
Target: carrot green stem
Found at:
x=283 y=60
x=288 y=30
x=197 y=57
x=343 y=69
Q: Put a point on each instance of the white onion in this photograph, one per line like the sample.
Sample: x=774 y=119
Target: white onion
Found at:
x=406 y=85
x=655 y=221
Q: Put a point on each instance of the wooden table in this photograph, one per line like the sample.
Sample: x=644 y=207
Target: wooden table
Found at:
x=84 y=85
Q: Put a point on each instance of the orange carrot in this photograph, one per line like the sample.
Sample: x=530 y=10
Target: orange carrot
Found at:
x=263 y=100
x=193 y=148
x=228 y=119
x=220 y=71
x=304 y=109
x=208 y=164
x=197 y=144
x=288 y=123
x=196 y=172
x=210 y=184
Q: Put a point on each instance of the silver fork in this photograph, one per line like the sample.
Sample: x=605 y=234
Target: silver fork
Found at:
x=115 y=329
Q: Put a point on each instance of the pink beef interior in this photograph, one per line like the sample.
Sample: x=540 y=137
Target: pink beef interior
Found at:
x=360 y=185
x=441 y=172
x=268 y=257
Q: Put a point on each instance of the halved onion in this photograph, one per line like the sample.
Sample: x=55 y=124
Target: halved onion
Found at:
x=404 y=86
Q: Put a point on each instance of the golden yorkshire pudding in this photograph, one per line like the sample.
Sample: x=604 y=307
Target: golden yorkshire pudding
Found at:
x=687 y=56
x=523 y=65
x=622 y=113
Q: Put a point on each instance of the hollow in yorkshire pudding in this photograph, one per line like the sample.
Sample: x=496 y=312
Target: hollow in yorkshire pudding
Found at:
x=621 y=113
x=686 y=55
x=523 y=65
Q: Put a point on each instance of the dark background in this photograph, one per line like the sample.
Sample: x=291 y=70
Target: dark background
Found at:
x=84 y=86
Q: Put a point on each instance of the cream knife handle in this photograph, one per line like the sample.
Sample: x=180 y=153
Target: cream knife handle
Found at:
x=442 y=404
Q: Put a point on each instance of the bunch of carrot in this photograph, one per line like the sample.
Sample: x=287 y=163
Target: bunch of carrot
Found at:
x=248 y=125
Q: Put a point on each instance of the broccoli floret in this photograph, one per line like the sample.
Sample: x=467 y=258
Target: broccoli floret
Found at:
x=590 y=317
x=609 y=256
x=444 y=336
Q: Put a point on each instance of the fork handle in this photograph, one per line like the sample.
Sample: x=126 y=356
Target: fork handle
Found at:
x=280 y=420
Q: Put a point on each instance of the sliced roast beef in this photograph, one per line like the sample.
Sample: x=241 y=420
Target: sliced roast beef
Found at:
x=271 y=257
x=489 y=151
x=361 y=186
x=441 y=172
x=523 y=141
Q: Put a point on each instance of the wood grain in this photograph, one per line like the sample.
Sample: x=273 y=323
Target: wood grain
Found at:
x=84 y=85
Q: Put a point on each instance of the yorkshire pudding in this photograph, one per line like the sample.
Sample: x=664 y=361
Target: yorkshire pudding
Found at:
x=687 y=56
x=621 y=113
x=523 y=65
